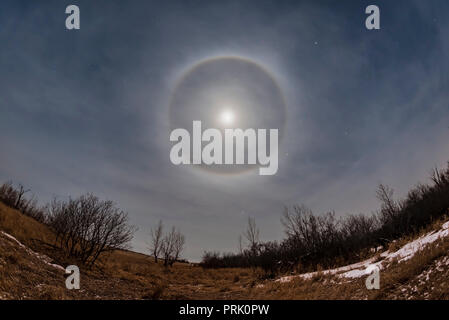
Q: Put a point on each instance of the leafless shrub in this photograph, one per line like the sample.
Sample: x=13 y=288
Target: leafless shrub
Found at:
x=172 y=246
x=389 y=207
x=252 y=233
x=15 y=198
x=323 y=240
x=87 y=227
x=156 y=240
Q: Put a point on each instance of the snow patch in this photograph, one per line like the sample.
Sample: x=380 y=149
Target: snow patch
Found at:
x=358 y=270
x=409 y=250
x=43 y=258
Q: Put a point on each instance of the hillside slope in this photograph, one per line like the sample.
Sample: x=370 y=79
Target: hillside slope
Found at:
x=413 y=269
x=31 y=267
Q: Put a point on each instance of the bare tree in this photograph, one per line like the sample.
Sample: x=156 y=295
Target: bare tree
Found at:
x=294 y=221
x=178 y=245
x=172 y=246
x=167 y=247
x=20 y=193
x=15 y=198
x=252 y=233
x=87 y=227
x=156 y=240
x=240 y=244
x=389 y=207
x=439 y=177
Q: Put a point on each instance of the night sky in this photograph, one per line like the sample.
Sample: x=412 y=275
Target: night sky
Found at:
x=89 y=110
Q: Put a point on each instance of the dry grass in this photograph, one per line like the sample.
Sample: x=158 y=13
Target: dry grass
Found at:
x=24 y=228
x=405 y=279
x=130 y=275
x=24 y=276
x=118 y=274
x=424 y=276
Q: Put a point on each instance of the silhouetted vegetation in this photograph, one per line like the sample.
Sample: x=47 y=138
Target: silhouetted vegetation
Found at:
x=168 y=247
x=156 y=240
x=323 y=240
x=15 y=197
x=172 y=246
x=86 y=227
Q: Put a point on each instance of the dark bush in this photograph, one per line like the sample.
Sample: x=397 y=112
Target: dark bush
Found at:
x=86 y=227
x=15 y=198
x=313 y=240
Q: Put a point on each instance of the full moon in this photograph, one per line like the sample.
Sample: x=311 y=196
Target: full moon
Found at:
x=227 y=93
x=227 y=117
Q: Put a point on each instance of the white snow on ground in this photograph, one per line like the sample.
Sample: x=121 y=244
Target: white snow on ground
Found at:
x=409 y=250
x=359 y=269
x=43 y=258
x=347 y=268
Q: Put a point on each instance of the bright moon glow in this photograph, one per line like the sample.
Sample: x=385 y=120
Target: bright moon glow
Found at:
x=227 y=117
x=227 y=93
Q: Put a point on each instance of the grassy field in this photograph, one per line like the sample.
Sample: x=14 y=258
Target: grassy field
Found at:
x=25 y=273
x=117 y=275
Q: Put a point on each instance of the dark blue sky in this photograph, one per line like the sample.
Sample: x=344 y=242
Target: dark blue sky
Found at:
x=86 y=111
